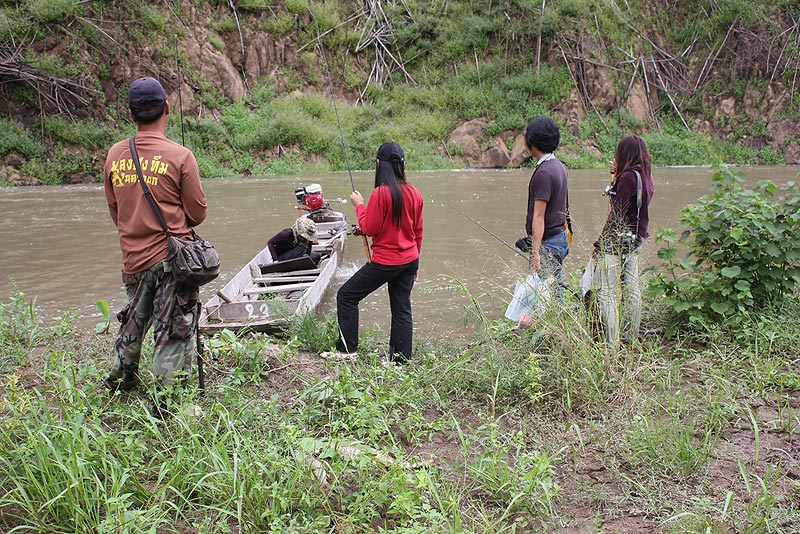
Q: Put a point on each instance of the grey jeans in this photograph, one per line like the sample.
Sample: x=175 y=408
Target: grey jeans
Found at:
x=620 y=270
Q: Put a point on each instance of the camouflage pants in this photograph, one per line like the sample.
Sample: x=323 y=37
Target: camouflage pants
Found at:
x=154 y=297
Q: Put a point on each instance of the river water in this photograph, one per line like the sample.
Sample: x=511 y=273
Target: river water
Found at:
x=60 y=247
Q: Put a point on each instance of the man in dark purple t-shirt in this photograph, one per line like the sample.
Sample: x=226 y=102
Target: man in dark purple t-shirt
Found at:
x=545 y=222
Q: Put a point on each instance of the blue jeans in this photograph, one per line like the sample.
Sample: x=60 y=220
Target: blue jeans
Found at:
x=552 y=254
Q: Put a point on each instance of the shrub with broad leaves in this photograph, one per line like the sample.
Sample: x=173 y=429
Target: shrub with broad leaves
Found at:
x=743 y=252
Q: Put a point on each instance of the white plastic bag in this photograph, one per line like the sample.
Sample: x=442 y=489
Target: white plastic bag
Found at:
x=530 y=298
x=590 y=281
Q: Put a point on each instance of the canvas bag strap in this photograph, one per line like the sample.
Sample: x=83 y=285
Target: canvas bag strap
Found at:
x=147 y=194
x=638 y=199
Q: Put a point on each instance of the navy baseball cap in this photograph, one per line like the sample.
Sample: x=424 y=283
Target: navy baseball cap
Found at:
x=390 y=152
x=145 y=92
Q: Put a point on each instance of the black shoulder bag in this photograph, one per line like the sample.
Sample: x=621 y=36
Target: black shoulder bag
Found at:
x=194 y=261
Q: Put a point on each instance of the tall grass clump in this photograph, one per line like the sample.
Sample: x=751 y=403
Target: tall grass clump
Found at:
x=568 y=365
x=20 y=328
x=670 y=444
x=53 y=11
x=313 y=334
x=506 y=473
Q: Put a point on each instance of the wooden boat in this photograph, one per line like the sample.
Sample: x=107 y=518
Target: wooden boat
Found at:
x=265 y=294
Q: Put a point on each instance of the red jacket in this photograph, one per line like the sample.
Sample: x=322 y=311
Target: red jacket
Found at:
x=393 y=244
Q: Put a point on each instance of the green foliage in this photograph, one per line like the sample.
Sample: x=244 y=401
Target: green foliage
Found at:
x=105 y=310
x=87 y=134
x=217 y=42
x=242 y=354
x=53 y=11
x=280 y=25
x=507 y=474
x=20 y=327
x=56 y=65
x=14 y=137
x=670 y=445
x=52 y=171
x=223 y=24
x=254 y=5
x=313 y=334
x=743 y=253
x=12 y=24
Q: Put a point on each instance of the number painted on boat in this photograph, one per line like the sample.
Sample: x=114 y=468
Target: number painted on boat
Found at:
x=263 y=311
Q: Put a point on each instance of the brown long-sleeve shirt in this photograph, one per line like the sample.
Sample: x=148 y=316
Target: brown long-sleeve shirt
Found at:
x=172 y=175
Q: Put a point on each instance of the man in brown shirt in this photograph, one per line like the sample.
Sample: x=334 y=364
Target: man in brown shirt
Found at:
x=154 y=297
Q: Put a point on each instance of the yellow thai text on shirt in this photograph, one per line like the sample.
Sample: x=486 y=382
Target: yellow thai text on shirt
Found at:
x=123 y=172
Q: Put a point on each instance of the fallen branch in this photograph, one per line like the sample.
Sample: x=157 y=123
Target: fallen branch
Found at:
x=62 y=93
x=667 y=92
x=716 y=55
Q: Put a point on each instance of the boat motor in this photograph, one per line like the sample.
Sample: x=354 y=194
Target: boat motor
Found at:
x=310 y=197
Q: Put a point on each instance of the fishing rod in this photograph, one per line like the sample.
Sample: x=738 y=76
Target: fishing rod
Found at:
x=180 y=83
x=517 y=252
x=339 y=124
x=201 y=376
x=479 y=225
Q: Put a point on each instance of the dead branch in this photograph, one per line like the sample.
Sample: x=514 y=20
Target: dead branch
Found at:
x=377 y=32
x=716 y=55
x=580 y=85
x=326 y=32
x=539 y=38
x=647 y=93
x=64 y=94
x=667 y=92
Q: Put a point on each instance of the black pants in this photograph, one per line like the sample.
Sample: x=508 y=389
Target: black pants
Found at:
x=369 y=278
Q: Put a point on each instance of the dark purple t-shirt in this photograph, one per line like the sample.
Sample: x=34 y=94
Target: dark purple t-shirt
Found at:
x=548 y=183
x=282 y=246
x=623 y=202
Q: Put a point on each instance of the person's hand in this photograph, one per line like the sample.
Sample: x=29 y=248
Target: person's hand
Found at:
x=612 y=168
x=535 y=261
x=356 y=198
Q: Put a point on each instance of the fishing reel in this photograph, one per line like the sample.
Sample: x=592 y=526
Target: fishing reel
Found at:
x=609 y=191
x=357 y=231
x=524 y=243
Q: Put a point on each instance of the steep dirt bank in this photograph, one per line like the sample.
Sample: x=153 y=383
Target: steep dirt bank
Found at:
x=208 y=54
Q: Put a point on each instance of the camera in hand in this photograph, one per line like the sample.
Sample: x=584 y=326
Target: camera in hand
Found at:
x=628 y=240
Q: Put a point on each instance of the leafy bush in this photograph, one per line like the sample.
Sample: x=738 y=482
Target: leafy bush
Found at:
x=744 y=252
x=84 y=133
x=14 y=137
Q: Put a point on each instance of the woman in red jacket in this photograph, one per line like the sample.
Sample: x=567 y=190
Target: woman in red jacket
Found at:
x=393 y=219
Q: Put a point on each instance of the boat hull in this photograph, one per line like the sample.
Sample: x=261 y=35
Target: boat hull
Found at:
x=265 y=295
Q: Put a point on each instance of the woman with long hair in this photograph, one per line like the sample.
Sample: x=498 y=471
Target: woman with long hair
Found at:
x=393 y=219
x=621 y=239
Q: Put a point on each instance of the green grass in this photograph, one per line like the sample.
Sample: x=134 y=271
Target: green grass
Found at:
x=490 y=433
